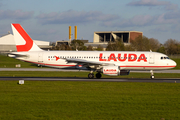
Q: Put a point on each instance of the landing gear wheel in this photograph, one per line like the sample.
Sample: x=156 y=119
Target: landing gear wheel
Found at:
x=98 y=75
x=152 y=77
x=152 y=74
x=91 y=75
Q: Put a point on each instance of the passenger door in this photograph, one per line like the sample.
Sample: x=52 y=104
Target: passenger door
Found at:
x=40 y=57
x=151 y=59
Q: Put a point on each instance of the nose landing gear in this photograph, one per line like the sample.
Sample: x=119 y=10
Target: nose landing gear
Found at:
x=152 y=74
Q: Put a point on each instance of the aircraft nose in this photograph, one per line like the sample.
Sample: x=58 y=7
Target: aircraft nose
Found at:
x=173 y=63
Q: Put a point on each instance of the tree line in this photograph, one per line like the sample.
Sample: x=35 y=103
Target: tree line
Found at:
x=141 y=43
x=76 y=45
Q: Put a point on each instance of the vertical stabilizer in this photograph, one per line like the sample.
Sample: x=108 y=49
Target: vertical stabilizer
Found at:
x=23 y=40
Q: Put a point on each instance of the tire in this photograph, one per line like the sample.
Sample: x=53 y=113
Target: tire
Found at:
x=90 y=75
x=98 y=75
x=152 y=77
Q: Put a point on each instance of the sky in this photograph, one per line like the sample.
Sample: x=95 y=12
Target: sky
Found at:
x=50 y=20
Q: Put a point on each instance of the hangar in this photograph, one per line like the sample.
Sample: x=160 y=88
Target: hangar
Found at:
x=111 y=36
x=7 y=43
x=102 y=38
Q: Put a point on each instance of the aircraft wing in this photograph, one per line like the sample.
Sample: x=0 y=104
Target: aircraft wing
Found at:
x=86 y=62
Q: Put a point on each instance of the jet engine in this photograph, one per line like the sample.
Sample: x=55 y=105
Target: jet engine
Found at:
x=114 y=71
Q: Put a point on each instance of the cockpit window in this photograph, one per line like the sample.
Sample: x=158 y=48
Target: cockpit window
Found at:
x=163 y=58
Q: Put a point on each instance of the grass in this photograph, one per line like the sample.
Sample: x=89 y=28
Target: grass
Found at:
x=177 y=60
x=54 y=100
x=80 y=74
x=7 y=62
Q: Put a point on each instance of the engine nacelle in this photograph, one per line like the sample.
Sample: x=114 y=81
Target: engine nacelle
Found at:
x=114 y=71
x=111 y=70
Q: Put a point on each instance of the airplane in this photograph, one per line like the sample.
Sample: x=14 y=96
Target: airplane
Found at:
x=112 y=63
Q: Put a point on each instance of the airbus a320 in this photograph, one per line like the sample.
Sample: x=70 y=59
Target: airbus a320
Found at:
x=112 y=63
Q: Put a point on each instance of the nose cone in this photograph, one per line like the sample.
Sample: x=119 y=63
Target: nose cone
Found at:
x=173 y=64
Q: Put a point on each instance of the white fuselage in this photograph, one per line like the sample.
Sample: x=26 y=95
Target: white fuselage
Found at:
x=127 y=60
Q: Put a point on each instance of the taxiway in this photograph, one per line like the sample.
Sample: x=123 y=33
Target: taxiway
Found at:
x=168 y=80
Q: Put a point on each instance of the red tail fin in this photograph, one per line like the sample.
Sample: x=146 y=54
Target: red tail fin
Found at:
x=23 y=40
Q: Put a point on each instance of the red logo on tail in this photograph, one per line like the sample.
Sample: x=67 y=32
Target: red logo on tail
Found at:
x=25 y=36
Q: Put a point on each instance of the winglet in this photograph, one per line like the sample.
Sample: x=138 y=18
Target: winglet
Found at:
x=23 y=40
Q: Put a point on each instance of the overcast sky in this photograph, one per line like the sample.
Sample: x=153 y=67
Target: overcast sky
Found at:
x=49 y=20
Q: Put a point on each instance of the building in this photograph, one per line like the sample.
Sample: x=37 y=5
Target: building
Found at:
x=102 y=38
x=7 y=43
x=111 y=36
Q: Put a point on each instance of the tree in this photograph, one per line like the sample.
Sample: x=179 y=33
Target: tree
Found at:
x=145 y=44
x=99 y=48
x=140 y=44
x=62 y=47
x=129 y=48
x=172 y=46
x=90 y=48
x=154 y=44
x=118 y=45
x=162 y=49
x=77 y=45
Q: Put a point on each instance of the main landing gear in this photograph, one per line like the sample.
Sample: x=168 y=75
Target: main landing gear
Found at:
x=91 y=75
x=152 y=74
x=98 y=75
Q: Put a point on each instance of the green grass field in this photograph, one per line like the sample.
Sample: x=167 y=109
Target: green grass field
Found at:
x=177 y=60
x=54 y=100
x=7 y=62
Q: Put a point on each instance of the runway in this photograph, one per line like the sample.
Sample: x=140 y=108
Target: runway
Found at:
x=169 y=80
